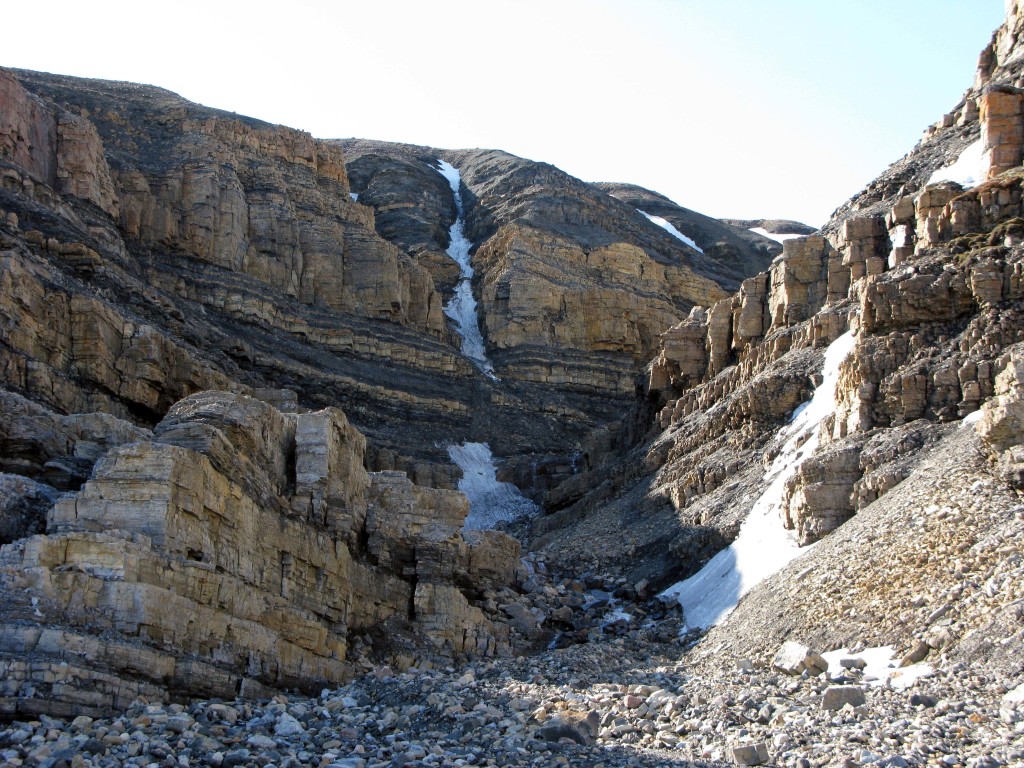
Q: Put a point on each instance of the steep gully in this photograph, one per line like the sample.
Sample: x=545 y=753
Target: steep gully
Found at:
x=490 y=501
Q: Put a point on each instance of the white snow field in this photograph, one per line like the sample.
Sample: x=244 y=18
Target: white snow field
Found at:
x=772 y=236
x=882 y=668
x=763 y=546
x=966 y=171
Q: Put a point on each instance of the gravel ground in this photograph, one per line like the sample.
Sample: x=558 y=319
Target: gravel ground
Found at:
x=624 y=701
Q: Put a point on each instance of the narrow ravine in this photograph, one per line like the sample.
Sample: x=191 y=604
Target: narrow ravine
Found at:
x=462 y=306
x=763 y=547
x=490 y=501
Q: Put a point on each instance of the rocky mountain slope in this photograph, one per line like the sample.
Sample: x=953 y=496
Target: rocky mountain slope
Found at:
x=925 y=278
x=548 y=247
x=237 y=248
x=733 y=248
x=188 y=297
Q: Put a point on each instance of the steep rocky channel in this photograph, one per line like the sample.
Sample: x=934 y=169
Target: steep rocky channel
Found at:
x=490 y=501
x=461 y=308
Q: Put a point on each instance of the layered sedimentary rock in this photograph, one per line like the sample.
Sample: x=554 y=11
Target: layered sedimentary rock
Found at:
x=239 y=549
x=573 y=285
x=731 y=248
x=929 y=277
x=153 y=248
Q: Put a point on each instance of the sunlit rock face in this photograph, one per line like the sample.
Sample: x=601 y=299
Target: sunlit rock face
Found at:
x=232 y=400
x=241 y=548
x=924 y=268
x=573 y=285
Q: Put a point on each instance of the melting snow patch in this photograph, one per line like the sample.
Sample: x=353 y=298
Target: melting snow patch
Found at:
x=667 y=226
x=971 y=418
x=881 y=669
x=763 y=546
x=354 y=196
x=490 y=501
x=966 y=171
x=772 y=236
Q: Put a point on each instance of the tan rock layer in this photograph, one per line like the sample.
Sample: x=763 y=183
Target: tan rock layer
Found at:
x=253 y=542
x=546 y=294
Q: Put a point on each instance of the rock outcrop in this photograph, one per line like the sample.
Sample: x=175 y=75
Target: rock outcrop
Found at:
x=238 y=549
x=153 y=248
x=198 y=321
x=926 y=274
x=573 y=285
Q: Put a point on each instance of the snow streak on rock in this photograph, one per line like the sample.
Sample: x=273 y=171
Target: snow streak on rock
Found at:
x=490 y=501
x=772 y=236
x=668 y=227
x=763 y=546
x=462 y=307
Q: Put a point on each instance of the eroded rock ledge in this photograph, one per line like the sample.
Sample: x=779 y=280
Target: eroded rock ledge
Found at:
x=240 y=549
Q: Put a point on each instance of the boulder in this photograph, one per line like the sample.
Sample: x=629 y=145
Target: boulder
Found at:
x=838 y=696
x=794 y=658
x=751 y=754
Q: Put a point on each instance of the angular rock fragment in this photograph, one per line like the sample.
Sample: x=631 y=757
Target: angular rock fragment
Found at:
x=838 y=696
x=794 y=658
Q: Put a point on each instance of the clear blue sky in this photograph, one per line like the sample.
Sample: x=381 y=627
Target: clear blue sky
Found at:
x=736 y=108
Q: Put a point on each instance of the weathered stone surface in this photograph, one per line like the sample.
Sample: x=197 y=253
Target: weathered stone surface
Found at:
x=1002 y=129
x=1001 y=426
x=23 y=507
x=819 y=497
x=1002 y=418
x=864 y=245
x=799 y=285
x=575 y=726
x=74 y=352
x=838 y=696
x=542 y=291
x=731 y=251
x=190 y=249
x=751 y=317
x=411 y=201
x=235 y=538
x=246 y=439
x=330 y=482
x=751 y=754
x=58 y=449
x=683 y=360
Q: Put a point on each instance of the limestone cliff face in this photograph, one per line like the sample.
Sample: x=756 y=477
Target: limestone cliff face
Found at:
x=196 y=316
x=731 y=252
x=221 y=375
x=568 y=271
x=573 y=285
x=264 y=201
x=239 y=549
x=158 y=248
x=929 y=278
x=412 y=203
x=153 y=248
